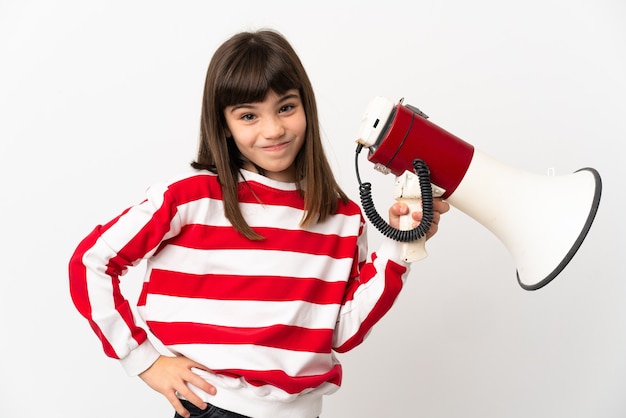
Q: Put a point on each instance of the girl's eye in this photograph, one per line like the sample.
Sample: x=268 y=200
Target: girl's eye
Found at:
x=286 y=108
x=247 y=117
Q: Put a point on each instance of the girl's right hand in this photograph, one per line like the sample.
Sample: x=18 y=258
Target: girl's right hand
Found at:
x=170 y=375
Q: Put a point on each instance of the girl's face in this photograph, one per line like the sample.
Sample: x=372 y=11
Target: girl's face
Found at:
x=269 y=133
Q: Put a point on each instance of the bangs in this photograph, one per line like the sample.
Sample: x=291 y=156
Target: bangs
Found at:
x=253 y=74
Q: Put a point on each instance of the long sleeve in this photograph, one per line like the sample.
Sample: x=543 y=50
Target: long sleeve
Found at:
x=98 y=263
x=371 y=292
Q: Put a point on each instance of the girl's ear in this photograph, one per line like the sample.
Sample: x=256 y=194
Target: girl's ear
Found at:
x=227 y=133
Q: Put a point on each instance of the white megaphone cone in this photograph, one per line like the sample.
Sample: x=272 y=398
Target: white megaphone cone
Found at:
x=541 y=220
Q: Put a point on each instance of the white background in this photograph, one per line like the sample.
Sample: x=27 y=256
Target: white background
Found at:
x=99 y=99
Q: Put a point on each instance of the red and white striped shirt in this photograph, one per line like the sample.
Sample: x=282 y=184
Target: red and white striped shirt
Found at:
x=264 y=316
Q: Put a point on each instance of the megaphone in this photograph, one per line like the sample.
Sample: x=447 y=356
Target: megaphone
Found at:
x=542 y=220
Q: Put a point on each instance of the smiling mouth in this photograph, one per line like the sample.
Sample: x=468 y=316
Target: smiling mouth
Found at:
x=276 y=147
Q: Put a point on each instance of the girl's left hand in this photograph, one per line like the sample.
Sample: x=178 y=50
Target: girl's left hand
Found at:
x=399 y=209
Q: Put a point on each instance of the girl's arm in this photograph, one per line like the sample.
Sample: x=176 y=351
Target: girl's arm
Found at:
x=371 y=294
x=102 y=258
x=94 y=271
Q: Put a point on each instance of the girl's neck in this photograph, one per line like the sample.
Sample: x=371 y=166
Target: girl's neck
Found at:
x=287 y=176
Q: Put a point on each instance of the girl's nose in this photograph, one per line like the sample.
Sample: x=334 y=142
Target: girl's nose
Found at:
x=273 y=128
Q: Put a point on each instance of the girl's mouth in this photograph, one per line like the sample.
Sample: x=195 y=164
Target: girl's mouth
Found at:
x=276 y=147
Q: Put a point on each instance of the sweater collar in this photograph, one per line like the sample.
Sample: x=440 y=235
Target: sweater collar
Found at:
x=250 y=176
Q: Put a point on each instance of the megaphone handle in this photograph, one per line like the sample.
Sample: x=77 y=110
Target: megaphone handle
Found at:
x=413 y=250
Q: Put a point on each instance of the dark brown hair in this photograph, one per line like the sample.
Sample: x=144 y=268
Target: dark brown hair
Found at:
x=243 y=70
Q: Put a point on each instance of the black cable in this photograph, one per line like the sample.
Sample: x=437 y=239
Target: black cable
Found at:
x=365 y=191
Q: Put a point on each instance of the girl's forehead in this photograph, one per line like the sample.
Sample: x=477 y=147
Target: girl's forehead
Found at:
x=261 y=95
x=272 y=98
x=253 y=83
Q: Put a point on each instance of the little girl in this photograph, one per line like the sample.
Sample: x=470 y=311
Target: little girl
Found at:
x=257 y=267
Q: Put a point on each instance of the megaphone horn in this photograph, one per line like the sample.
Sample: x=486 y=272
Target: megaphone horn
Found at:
x=542 y=220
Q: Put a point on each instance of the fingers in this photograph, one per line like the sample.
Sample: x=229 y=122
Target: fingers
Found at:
x=197 y=380
x=200 y=383
x=399 y=209
x=189 y=377
x=178 y=406
x=171 y=376
x=188 y=394
x=440 y=205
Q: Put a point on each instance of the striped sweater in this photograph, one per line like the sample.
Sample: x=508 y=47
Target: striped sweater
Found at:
x=264 y=316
